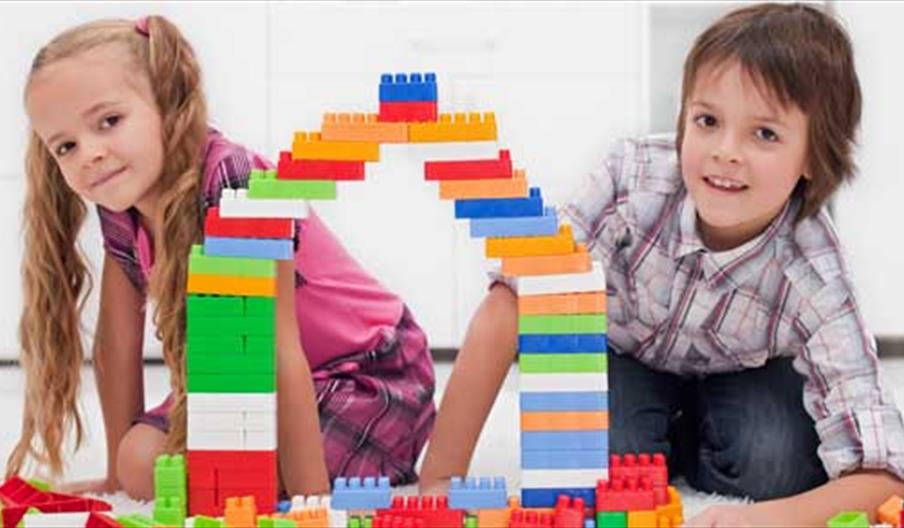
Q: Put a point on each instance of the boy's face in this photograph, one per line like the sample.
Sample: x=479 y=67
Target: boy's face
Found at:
x=96 y=114
x=741 y=156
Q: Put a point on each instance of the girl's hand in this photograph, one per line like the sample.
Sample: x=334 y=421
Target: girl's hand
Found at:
x=437 y=487
x=734 y=515
x=96 y=486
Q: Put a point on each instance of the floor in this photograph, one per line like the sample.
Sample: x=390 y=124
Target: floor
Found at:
x=496 y=454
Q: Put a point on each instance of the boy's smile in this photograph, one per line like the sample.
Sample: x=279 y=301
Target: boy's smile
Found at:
x=742 y=154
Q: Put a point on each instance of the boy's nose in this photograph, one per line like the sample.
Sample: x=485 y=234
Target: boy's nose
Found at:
x=726 y=150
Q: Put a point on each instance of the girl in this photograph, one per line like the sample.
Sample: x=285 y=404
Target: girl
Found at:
x=118 y=118
x=737 y=346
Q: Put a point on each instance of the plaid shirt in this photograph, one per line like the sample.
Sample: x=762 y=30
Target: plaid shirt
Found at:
x=679 y=307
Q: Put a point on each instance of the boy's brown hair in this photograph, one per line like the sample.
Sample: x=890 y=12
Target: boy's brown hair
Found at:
x=802 y=57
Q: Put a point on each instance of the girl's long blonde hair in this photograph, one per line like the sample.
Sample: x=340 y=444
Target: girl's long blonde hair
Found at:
x=56 y=279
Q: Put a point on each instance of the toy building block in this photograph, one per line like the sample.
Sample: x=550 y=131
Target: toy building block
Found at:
x=562 y=363
x=501 y=207
x=640 y=465
x=235 y=203
x=309 y=518
x=240 y=512
x=890 y=512
x=612 y=519
x=17 y=497
x=288 y=522
x=851 y=519
x=433 y=511
x=458 y=127
x=169 y=476
x=539 y=225
x=577 y=440
x=413 y=87
x=564 y=459
x=361 y=127
x=563 y=401
x=214 y=225
x=560 y=244
x=201 y=264
x=547 y=497
x=671 y=514
x=36 y=519
x=485 y=169
x=203 y=521
x=642 y=519
x=531 y=519
x=214 y=476
x=265 y=185
x=356 y=494
x=561 y=478
x=311 y=146
x=474 y=494
x=562 y=343
x=359 y=521
x=258 y=286
x=231 y=325
x=569 y=512
x=407 y=112
x=136 y=520
x=577 y=262
x=591 y=281
x=552 y=382
x=496 y=517
x=563 y=303
x=169 y=511
x=514 y=187
x=231 y=383
x=336 y=517
x=259 y=248
x=625 y=495
x=565 y=421
x=568 y=324
x=291 y=169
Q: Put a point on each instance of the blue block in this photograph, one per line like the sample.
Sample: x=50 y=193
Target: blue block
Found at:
x=501 y=207
x=354 y=494
x=259 y=248
x=564 y=401
x=565 y=459
x=404 y=88
x=545 y=225
x=564 y=343
x=471 y=494
x=546 y=497
x=589 y=523
x=564 y=440
x=283 y=506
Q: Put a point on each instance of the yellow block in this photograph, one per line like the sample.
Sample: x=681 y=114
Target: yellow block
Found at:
x=311 y=146
x=642 y=519
x=536 y=246
x=228 y=285
x=455 y=127
x=514 y=187
x=671 y=515
x=565 y=421
x=562 y=303
x=362 y=127
x=577 y=262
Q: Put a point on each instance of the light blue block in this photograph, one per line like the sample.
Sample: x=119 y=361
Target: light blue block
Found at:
x=546 y=224
x=561 y=343
x=471 y=494
x=354 y=494
x=258 y=248
x=547 y=497
x=564 y=401
x=564 y=440
x=565 y=459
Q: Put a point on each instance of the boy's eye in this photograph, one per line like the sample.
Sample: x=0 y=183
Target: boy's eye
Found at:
x=110 y=121
x=705 y=120
x=63 y=148
x=766 y=134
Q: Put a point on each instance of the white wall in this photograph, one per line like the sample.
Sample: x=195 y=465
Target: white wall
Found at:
x=563 y=78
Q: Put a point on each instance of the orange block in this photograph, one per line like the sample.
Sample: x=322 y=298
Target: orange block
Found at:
x=313 y=147
x=455 y=127
x=671 y=515
x=890 y=512
x=642 y=519
x=565 y=421
x=498 y=517
x=577 y=262
x=362 y=127
x=228 y=285
x=562 y=303
x=308 y=518
x=536 y=246
x=514 y=187
x=240 y=511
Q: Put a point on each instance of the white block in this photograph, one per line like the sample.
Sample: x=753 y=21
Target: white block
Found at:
x=238 y=440
x=231 y=401
x=301 y=502
x=593 y=280
x=573 y=382
x=55 y=520
x=235 y=203
x=231 y=421
x=259 y=440
x=452 y=151
x=562 y=478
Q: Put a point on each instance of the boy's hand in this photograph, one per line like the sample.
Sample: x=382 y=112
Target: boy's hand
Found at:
x=734 y=515
x=96 y=486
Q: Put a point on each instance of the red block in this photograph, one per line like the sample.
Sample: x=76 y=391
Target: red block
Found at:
x=289 y=169
x=643 y=466
x=433 y=511
x=17 y=496
x=409 y=111
x=625 y=495
x=569 y=514
x=99 y=520
x=531 y=519
x=214 y=476
x=214 y=225
x=470 y=169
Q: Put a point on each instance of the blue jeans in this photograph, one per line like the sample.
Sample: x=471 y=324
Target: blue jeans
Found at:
x=744 y=433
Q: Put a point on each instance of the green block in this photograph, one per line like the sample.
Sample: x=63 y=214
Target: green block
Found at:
x=136 y=520
x=471 y=521
x=369 y=522
x=225 y=363
x=353 y=522
x=228 y=345
x=38 y=484
x=231 y=325
x=169 y=511
x=850 y=519
x=260 y=306
x=214 y=305
x=562 y=363
x=611 y=520
x=562 y=324
x=203 y=521
x=170 y=477
x=264 y=184
x=270 y=522
x=257 y=383
x=201 y=264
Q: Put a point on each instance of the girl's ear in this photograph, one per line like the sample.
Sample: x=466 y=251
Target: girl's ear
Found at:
x=806 y=176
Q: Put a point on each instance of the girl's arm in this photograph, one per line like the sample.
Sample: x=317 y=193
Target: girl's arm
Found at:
x=480 y=368
x=301 y=457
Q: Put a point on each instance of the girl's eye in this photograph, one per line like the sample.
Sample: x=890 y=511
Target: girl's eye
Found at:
x=705 y=120
x=766 y=134
x=64 y=148
x=110 y=121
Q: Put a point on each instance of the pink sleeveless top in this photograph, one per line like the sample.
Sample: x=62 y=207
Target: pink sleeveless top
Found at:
x=341 y=309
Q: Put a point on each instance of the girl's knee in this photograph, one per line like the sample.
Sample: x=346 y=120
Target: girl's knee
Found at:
x=135 y=458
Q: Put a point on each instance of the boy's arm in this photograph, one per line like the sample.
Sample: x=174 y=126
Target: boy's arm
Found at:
x=480 y=368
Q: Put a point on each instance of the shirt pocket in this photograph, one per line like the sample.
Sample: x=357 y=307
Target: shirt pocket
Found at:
x=739 y=328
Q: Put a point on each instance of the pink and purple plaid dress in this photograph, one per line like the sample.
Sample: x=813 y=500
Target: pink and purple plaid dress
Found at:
x=371 y=365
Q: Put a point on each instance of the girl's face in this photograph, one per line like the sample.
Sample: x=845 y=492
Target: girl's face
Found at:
x=95 y=113
x=741 y=156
